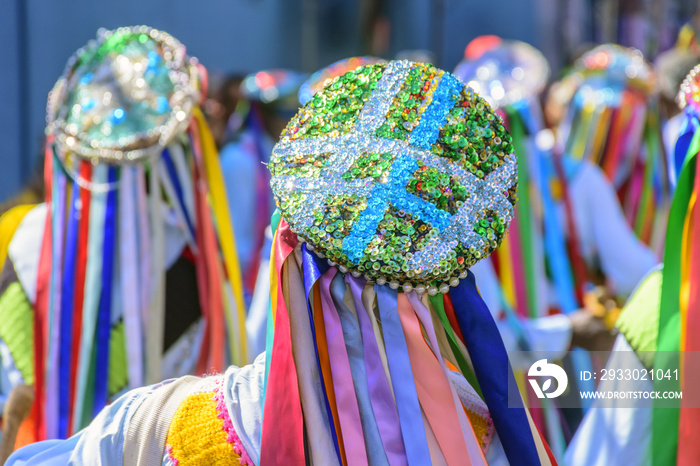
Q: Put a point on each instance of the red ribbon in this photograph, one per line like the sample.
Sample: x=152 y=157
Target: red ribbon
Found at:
x=42 y=301
x=282 y=431
x=689 y=421
x=83 y=229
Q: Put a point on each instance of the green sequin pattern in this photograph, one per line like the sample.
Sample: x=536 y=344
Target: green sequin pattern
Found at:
x=300 y=164
x=410 y=103
x=333 y=111
x=334 y=223
x=369 y=165
x=474 y=136
x=439 y=188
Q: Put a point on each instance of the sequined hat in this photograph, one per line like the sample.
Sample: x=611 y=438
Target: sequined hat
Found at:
x=321 y=77
x=618 y=64
x=398 y=172
x=133 y=181
x=123 y=97
x=689 y=93
x=503 y=71
x=277 y=85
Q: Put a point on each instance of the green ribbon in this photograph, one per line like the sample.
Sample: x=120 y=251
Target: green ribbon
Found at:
x=269 y=335
x=464 y=367
x=525 y=214
x=651 y=139
x=665 y=419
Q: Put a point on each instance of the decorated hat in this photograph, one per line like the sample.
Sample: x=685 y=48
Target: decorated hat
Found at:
x=123 y=96
x=319 y=79
x=129 y=162
x=618 y=64
x=398 y=172
x=613 y=121
x=278 y=86
x=672 y=67
x=602 y=73
x=689 y=93
x=503 y=71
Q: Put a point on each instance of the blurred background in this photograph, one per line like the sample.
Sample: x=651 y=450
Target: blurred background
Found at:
x=241 y=36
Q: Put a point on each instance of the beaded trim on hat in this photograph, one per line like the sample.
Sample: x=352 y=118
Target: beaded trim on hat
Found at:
x=123 y=97
x=689 y=94
x=398 y=172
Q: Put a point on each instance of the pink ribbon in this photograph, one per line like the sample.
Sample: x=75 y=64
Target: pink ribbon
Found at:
x=348 y=410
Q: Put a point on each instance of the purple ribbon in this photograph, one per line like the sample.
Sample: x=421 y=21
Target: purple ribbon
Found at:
x=58 y=208
x=346 y=401
x=410 y=417
x=385 y=413
x=66 y=313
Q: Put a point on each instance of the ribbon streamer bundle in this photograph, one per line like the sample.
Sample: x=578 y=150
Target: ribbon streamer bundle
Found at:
x=128 y=153
x=362 y=361
x=613 y=121
x=391 y=182
x=675 y=422
x=538 y=250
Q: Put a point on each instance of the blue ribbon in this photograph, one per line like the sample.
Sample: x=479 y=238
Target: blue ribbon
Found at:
x=492 y=369
x=104 y=310
x=67 y=295
x=313 y=267
x=682 y=145
x=172 y=173
x=410 y=417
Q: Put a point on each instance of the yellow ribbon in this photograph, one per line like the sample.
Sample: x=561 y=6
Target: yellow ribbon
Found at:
x=219 y=202
x=505 y=265
x=273 y=281
x=9 y=222
x=685 y=267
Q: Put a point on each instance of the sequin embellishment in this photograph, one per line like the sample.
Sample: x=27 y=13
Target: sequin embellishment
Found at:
x=689 y=94
x=123 y=96
x=398 y=172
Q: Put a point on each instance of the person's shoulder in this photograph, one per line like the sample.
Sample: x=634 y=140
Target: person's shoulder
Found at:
x=639 y=318
x=21 y=217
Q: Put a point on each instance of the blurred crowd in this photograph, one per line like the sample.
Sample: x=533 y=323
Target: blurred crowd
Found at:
x=605 y=196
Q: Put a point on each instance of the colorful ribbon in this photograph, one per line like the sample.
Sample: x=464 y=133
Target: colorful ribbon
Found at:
x=665 y=422
x=490 y=361
x=348 y=411
x=385 y=413
x=402 y=378
x=282 y=429
x=104 y=316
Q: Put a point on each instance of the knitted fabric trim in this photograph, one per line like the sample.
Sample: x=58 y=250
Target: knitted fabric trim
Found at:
x=201 y=432
x=232 y=436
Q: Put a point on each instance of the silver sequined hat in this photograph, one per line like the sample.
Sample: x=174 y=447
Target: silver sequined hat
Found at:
x=398 y=172
x=123 y=97
x=506 y=72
